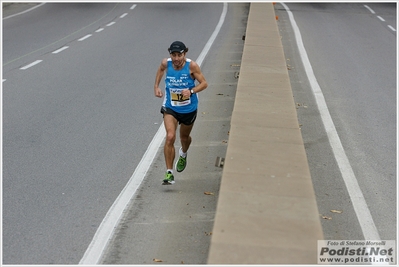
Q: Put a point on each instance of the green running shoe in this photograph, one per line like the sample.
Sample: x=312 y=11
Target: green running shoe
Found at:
x=169 y=179
x=181 y=164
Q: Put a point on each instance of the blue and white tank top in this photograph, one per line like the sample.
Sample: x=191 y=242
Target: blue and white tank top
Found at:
x=175 y=82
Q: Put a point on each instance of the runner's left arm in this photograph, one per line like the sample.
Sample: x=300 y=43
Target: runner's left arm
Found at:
x=197 y=74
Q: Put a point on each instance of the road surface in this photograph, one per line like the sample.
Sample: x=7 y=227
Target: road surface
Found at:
x=79 y=113
x=352 y=50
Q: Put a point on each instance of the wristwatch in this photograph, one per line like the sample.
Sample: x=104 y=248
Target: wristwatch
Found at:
x=192 y=92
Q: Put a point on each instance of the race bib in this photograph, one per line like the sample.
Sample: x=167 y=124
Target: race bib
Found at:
x=177 y=99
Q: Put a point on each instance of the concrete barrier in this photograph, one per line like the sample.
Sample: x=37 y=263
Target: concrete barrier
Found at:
x=266 y=212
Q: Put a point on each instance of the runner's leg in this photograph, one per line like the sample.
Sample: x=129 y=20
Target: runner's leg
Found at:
x=185 y=137
x=169 y=149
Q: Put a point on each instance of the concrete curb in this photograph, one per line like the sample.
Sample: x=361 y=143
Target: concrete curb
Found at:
x=267 y=211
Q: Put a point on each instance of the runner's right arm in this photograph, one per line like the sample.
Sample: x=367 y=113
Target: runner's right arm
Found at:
x=158 y=77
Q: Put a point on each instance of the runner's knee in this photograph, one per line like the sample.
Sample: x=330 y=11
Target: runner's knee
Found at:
x=170 y=138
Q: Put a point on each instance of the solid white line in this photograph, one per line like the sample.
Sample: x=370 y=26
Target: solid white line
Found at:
x=31 y=65
x=369 y=229
x=105 y=231
x=392 y=28
x=84 y=37
x=213 y=36
x=111 y=23
x=372 y=11
x=99 y=30
x=60 y=50
x=381 y=18
x=123 y=15
x=20 y=13
x=133 y=6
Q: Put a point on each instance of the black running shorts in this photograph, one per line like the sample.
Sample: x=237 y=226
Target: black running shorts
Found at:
x=185 y=118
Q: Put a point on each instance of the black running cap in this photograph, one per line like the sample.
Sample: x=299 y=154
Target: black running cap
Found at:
x=177 y=46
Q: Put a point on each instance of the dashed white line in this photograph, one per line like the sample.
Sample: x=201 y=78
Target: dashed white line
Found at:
x=31 y=65
x=379 y=17
x=65 y=47
x=60 y=50
x=85 y=37
x=372 y=11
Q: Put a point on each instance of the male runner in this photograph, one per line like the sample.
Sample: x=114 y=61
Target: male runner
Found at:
x=180 y=103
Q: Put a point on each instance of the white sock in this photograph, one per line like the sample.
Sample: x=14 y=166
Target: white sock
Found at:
x=181 y=153
x=170 y=170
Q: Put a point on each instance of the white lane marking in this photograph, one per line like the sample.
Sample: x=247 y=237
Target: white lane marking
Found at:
x=123 y=15
x=99 y=30
x=31 y=65
x=380 y=18
x=111 y=23
x=85 y=37
x=60 y=50
x=213 y=36
x=20 y=13
x=106 y=229
x=372 y=11
x=4 y=80
x=133 y=6
x=366 y=222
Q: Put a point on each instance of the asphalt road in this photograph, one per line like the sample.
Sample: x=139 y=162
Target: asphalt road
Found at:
x=353 y=55
x=76 y=124
x=79 y=113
